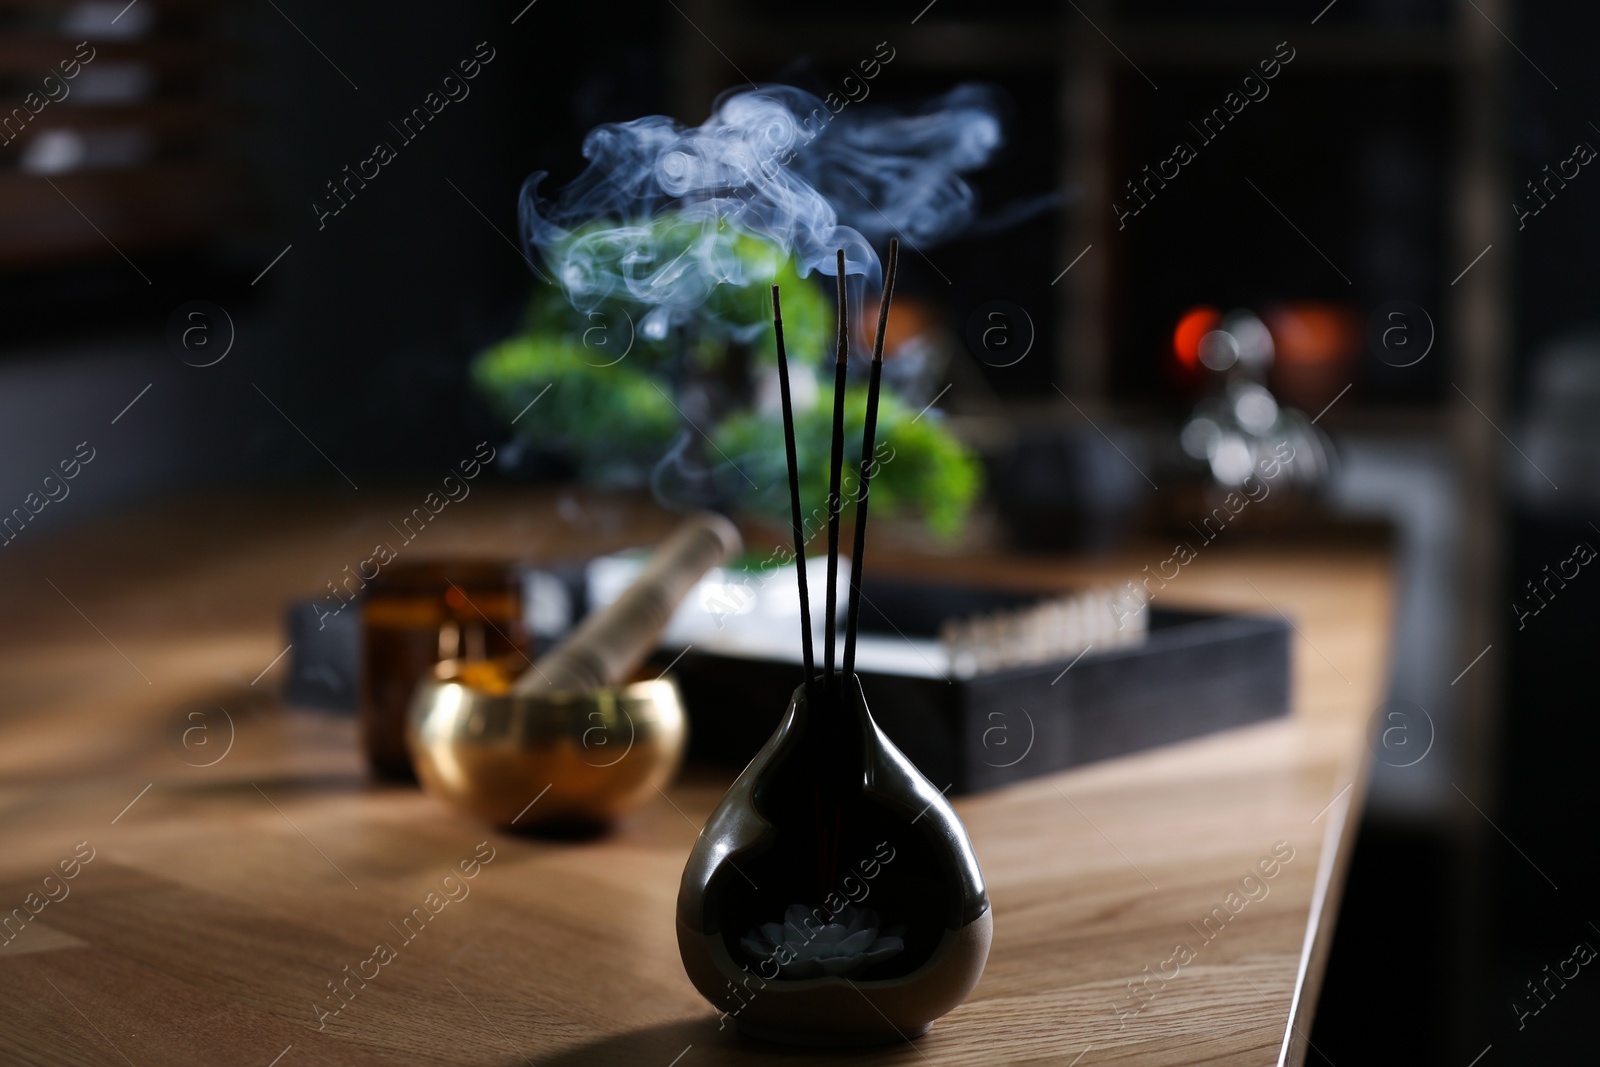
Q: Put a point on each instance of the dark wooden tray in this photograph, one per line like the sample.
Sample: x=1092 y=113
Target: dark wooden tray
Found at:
x=1195 y=673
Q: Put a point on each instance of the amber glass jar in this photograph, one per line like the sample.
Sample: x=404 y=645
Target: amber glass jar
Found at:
x=417 y=614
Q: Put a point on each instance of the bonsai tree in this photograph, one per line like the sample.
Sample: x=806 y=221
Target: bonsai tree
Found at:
x=684 y=398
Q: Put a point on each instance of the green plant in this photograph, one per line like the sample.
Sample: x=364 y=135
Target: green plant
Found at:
x=606 y=418
x=920 y=467
x=603 y=352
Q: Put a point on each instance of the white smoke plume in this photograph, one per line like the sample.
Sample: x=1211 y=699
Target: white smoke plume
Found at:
x=654 y=217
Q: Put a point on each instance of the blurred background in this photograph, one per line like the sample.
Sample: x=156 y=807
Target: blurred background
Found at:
x=1389 y=235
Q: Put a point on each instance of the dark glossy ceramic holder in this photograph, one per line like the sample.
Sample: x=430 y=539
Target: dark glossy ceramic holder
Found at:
x=833 y=897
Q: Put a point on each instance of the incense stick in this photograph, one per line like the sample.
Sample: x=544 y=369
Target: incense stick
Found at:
x=835 y=468
x=868 y=434
x=794 y=488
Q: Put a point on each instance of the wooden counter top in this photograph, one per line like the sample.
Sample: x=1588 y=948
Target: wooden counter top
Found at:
x=220 y=901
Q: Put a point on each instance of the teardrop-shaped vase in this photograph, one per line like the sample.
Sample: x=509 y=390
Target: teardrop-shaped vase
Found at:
x=833 y=897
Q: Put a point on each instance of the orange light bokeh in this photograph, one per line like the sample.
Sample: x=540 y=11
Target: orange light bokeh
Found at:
x=1313 y=332
x=1317 y=344
x=910 y=319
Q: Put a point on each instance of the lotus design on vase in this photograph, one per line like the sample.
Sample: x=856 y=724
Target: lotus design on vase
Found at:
x=805 y=948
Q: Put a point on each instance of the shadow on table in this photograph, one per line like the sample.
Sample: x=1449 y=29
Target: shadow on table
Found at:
x=660 y=1046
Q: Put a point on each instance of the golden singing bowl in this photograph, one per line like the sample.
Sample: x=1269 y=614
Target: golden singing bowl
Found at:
x=557 y=759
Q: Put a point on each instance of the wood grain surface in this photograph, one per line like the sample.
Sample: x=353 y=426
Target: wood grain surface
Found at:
x=223 y=902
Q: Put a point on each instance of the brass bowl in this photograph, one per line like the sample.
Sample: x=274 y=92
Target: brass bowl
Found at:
x=558 y=759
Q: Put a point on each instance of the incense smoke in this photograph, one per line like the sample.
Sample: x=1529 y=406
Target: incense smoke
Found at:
x=655 y=215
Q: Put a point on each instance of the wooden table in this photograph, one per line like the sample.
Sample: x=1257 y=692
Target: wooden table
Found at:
x=222 y=901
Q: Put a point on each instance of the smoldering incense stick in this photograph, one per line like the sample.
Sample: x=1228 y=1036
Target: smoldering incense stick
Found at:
x=868 y=434
x=794 y=488
x=835 y=467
